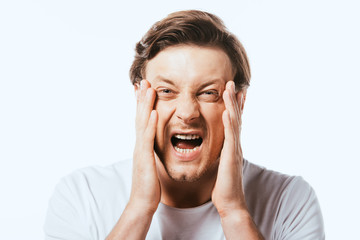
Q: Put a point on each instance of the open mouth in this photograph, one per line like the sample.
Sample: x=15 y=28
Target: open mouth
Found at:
x=186 y=143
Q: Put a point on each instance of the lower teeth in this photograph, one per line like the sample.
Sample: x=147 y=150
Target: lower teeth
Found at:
x=181 y=150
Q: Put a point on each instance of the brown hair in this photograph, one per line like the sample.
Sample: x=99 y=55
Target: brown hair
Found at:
x=191 y=27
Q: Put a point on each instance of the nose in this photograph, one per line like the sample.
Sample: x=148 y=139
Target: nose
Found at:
x=187 y=109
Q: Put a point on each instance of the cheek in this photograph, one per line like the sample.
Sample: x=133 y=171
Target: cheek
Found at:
x=213 y=116
x=165 y=111
x=213 y=113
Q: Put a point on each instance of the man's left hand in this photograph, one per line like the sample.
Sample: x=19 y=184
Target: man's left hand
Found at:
x=228 y=194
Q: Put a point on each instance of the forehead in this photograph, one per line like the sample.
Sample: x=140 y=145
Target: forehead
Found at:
x=189 y=64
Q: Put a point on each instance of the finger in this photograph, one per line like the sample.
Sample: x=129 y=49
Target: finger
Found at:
x=141 y=93
x=147 y=140
x=137 y=88
x=229 y=105
x=143 y=101
x=145 y=108
x=229 y=101
x=231 y=152
x=229 y=145
x=240 y=101
x=227 y=98
x=227 y=125
x=144 y=85
x=150 y=132
x=138 y=96
x=148 y=104
x=236 y=106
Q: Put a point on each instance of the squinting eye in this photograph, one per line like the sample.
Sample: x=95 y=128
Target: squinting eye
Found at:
x=209 y=96
x=210 y=92
x=165 y=91
x=165 y=94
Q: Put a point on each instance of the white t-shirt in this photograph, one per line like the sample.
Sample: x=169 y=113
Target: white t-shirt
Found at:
x=88 y=203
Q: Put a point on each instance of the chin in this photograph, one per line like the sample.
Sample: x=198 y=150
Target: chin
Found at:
x=182 y=176
x=188 y=172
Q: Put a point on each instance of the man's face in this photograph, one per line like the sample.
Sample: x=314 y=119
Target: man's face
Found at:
x=189 y=81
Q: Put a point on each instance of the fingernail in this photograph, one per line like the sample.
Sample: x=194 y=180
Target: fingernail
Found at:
x=142 y=84
x=231 y=85
x=228 y=83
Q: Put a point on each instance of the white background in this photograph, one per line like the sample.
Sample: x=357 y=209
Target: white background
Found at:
x=66 y=101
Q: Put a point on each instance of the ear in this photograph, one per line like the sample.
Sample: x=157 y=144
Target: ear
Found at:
x=240 y=98
x=136 y=86
x=136 y=89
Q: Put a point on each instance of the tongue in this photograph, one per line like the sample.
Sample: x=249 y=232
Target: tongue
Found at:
x=187 y=144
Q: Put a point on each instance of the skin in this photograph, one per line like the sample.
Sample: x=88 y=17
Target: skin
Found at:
x=189 y=89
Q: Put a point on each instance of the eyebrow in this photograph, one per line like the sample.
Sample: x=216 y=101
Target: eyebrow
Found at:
x=211 y=82
x=162 y=79
x=203 y=85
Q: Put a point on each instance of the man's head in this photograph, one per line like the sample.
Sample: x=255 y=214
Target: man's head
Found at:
x=191 y=27
x=187 y=58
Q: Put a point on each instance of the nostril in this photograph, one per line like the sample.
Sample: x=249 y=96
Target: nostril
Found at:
x=187 y=112
x=186 y=118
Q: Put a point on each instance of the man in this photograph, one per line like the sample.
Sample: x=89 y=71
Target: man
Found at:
x=188 y=178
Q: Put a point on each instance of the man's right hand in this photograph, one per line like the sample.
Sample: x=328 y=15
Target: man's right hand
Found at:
x=145 y=194
x=145 y=191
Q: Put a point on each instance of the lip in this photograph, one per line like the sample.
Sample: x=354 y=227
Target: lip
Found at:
x=188 y=132
x=191 y=156
x=186 y=157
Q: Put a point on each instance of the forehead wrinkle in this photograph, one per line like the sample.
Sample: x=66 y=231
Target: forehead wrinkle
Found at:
x=213 y=81
x=160 y=78
x=182 y=67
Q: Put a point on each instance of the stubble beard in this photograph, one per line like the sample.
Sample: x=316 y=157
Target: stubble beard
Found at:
x=185 y=177
x=180 y=174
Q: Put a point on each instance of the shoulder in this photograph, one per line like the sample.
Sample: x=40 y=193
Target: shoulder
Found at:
x=298 y=213
x=259 y=180
x=95 y=177
x=97 y=183
x=86 y=196
x=277 y=188
x=98 y=175
x=285 y=207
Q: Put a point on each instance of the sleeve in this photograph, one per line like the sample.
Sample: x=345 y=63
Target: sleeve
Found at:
x=66 y=217
x=299 y=215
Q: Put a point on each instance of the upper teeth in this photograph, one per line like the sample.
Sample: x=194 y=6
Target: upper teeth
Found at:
x=187 y=136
